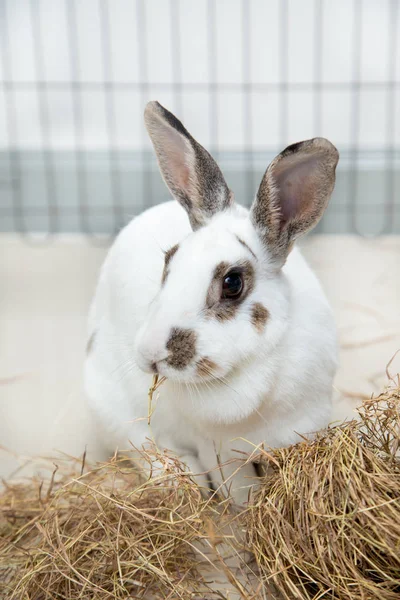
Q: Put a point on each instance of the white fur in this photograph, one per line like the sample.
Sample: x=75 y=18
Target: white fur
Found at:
x=273 y=385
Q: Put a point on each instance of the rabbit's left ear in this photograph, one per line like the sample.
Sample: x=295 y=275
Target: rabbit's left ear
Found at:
x=293 y=194
x=189 y=171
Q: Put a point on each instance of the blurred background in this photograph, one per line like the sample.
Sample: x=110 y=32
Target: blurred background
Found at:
x=247 y=77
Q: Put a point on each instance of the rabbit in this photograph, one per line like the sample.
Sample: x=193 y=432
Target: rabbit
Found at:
x=217 y=299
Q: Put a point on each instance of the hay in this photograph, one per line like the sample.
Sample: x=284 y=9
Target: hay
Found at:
x=102 y=535
x=326 y=521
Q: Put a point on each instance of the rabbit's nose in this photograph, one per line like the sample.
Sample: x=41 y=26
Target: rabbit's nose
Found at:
x=148 y=357
x=181 y=346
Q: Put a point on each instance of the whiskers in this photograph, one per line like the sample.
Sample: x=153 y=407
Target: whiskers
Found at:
x=123 y=370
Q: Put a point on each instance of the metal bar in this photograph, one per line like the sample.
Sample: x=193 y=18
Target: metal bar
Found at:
x=141 y=35
x=318 y=58
x=14 y=158
x=355 y=114
x=247 y=97
x=176 y=54
x=212 y=77
x=74 y=55
x=317 y=91
x=284 y=70
x=111 y=122
x=295 y=86
x=391 y=117
x=44 y=116
x=108 y=210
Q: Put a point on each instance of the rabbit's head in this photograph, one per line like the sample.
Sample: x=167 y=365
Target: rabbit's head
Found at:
x=223 y=298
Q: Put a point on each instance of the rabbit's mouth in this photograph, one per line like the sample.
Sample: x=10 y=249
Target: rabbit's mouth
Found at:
x=200 y=370
x=157 y=367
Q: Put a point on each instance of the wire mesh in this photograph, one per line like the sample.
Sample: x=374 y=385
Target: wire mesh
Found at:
x=51 y=187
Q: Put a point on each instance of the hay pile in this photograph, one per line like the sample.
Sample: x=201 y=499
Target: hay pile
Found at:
x=103 y=535
x=326 y=522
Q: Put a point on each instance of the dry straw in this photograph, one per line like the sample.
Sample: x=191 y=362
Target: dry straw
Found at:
x=326 y=522
x=102 y=535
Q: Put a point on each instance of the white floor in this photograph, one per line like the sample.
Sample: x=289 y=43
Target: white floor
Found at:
x=45 y=292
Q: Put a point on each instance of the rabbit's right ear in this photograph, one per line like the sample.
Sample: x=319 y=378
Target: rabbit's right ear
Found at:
x=189 y=171
x=293 y=194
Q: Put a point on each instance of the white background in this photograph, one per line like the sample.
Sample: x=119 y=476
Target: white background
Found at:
x=233 y=132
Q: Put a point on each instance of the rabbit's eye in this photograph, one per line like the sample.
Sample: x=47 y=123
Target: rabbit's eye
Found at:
x=232 y=285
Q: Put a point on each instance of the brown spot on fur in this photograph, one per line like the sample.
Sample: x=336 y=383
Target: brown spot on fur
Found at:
x=225 y=309
x=90 y=344
x=206 y=367
x=245 y=245
x=182 y=348
x=167 y=259
x=259 y=316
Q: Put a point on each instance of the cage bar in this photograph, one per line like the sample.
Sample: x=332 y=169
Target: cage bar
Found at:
x=392 y=67
x=111 y=124
x=13 y=151
x=141 y=34
x=80 y=167
x=44 y=116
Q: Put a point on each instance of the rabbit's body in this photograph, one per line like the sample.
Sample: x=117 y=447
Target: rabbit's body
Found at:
x=281 y=391
x=241 y=370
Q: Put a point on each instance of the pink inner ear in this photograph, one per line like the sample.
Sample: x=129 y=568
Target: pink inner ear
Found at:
x=178 y=170
x=176 y=159
x=297 y=182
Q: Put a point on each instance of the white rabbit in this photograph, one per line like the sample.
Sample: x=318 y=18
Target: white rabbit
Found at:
x=215 y=298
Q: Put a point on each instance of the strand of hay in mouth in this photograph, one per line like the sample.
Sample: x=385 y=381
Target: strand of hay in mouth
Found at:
x=155 y=384
x=326 y=521
x=102 y=535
